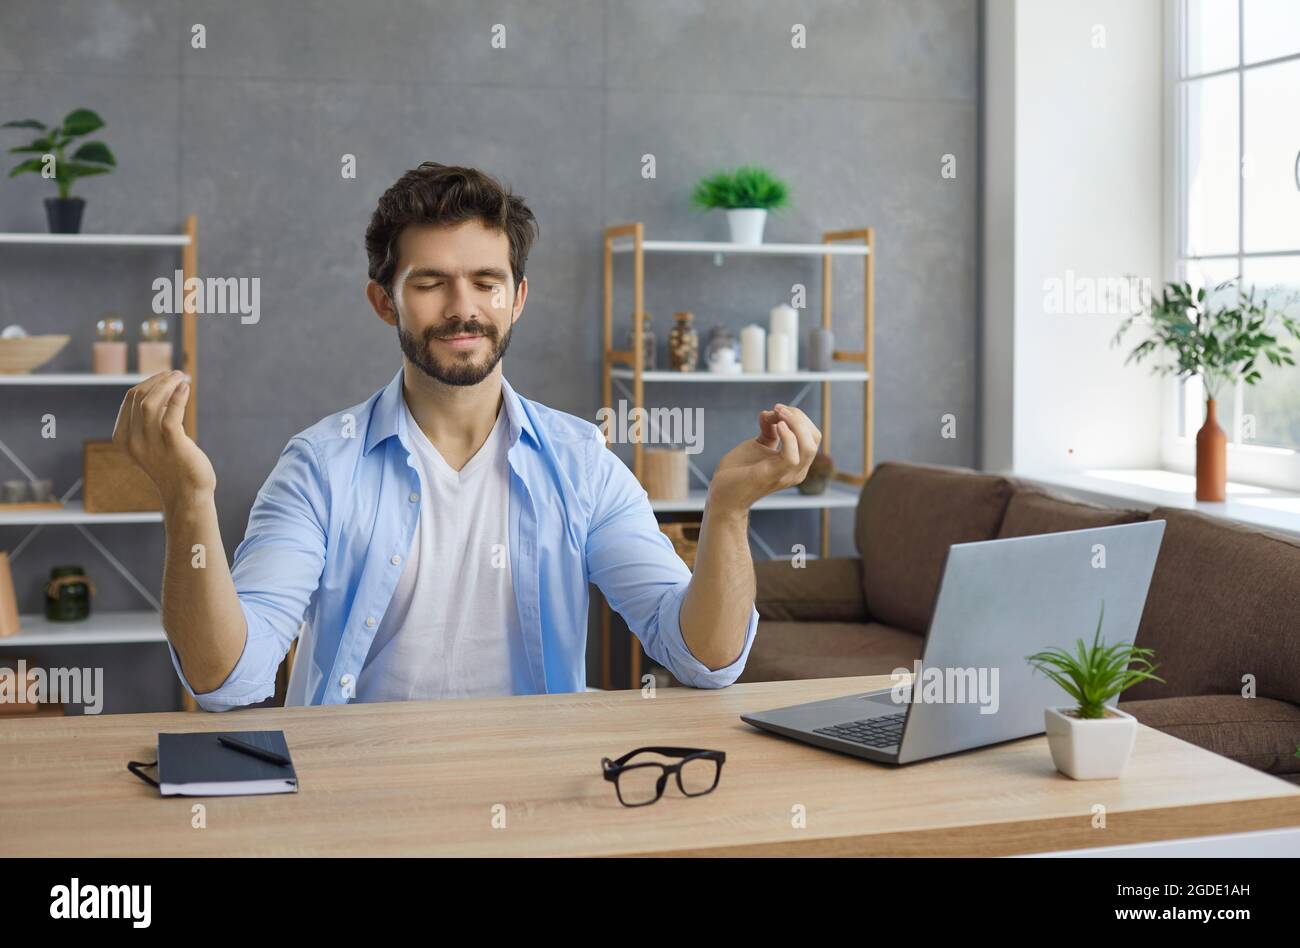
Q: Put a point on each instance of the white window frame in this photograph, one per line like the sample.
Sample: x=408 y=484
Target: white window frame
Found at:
x=1247 y=463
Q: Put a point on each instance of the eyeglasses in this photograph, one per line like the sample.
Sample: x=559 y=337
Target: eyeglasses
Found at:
x=643 y=783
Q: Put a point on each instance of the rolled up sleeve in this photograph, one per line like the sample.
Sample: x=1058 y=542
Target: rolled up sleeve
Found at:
x=641 y=576
x=276 y=571
x=685 y=667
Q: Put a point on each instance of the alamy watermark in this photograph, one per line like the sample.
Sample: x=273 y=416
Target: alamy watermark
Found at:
x=240 y=296
x=78 y=900
x=932 y=684
x=1079 y=295
x=658 y=425
x=83 y=686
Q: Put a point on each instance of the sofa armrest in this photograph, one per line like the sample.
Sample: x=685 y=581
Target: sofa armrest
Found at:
x=828 y=590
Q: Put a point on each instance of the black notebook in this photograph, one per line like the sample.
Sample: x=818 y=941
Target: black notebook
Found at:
x=198 y=765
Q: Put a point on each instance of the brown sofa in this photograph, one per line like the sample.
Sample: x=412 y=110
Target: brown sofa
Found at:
x=1224 y=603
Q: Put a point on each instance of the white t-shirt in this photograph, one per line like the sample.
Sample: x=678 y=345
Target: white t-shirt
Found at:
x=452 y=628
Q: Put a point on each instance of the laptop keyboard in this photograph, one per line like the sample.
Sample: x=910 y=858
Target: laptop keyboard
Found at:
x=884 y=731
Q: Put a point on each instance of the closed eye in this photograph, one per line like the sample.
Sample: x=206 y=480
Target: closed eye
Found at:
x=434 y=286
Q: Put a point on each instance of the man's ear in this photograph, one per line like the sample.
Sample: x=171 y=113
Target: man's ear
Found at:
x=381 y=302
x=521 y=294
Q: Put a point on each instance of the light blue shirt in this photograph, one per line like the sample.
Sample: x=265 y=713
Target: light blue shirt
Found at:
x=331 y=526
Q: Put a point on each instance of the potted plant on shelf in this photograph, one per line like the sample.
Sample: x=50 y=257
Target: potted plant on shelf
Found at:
x=1221 y=343
x=746 y=194
x=1091 y=741
x=52 y=161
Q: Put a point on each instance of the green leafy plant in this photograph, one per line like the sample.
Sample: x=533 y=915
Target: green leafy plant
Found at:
x=746 y=187
x=90 y=158
x=1098 y=673
x=1220 y=342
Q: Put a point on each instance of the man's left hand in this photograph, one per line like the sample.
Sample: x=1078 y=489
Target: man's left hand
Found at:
x=779 y=457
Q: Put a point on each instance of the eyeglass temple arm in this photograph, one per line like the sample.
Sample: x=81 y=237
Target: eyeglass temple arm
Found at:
x=667 y=752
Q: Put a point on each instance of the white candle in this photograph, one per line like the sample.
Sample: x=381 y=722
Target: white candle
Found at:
x=778 y=352
x=752 y=338
x=785 y=318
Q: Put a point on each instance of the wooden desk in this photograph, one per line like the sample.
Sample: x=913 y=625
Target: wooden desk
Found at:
x=422 y=778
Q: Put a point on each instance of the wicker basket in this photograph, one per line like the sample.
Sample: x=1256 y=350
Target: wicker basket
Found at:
x=113 y=483
x=686 y=539
x=24 y=353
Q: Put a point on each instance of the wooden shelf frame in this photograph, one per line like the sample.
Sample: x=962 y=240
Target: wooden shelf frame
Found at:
x=630 y=239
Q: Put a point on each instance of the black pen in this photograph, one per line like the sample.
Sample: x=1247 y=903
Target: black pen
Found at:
x=270 y=756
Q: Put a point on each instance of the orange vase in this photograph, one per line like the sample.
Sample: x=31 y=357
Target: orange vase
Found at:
x=1211 y=458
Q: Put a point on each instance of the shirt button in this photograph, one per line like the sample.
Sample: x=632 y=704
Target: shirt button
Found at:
x=345 y=681
x=415 y=497
x=395 y=559
x=370 y=621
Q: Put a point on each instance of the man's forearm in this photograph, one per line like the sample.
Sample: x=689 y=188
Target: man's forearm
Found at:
x=201 y=611
x=716 y=612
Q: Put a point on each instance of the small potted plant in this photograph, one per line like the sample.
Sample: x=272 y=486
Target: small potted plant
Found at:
x=52 y=161
x=1221 y=343
x=1091 y=741
x=746 y=194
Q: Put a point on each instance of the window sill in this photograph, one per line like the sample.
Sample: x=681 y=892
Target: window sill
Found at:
x=1262 y=507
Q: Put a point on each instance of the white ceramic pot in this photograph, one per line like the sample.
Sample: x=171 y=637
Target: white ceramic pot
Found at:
x=1096 y=749
x=746 y=224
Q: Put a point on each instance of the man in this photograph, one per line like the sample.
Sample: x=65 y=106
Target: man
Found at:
x=439 y=538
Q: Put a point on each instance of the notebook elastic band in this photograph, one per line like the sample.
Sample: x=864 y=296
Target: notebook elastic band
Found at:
x=136 y=766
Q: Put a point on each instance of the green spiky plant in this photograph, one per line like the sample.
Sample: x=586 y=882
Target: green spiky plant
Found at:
x=748 y=186
x=90 y=158
x=1098 y=673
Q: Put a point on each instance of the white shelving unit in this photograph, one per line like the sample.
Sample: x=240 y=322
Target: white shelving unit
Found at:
x=72 y=378
x=98 y=240
x=789 y=499
x=72 y=512
x=101 y=628
x=628 y=245
x=625 y=368
x=803 y=375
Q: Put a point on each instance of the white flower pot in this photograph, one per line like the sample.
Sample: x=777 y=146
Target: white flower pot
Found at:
x=746 y=224
x=1096 y=749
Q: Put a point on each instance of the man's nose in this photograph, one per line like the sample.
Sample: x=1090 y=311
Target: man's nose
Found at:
x=460 y=304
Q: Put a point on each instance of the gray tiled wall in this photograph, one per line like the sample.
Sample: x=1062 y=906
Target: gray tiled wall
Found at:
x=248 y=134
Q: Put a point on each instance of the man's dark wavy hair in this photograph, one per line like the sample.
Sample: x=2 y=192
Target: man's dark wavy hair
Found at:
x=447 y=194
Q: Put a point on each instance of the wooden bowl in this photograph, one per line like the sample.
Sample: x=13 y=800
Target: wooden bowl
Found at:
x=21 y=355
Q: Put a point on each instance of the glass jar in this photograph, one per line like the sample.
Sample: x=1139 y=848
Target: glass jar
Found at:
x=647 y=340
x=67 y=594
x=683 y=344
x=722 y=353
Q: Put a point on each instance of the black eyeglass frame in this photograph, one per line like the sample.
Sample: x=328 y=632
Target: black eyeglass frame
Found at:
x=612 y=769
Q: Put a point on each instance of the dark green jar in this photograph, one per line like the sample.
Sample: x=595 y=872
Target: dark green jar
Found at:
x=67 y=595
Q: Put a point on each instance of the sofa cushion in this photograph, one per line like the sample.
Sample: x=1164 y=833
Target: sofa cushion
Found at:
x=1259 y=732
x=1032 y=511
x=1224 y=603
x=784 y=651
x=828 y=590
x=908 y=516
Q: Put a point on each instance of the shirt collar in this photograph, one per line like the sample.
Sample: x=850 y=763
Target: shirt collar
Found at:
x=386 y=416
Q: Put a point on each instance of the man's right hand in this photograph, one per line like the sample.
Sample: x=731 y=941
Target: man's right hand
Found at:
x=149 y=429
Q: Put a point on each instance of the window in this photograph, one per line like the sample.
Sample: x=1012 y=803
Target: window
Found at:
x=1235 y=93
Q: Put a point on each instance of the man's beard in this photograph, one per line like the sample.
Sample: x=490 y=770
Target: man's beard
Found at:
x=457 y=370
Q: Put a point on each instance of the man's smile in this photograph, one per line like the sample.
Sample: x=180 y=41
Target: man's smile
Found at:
x=462 y=341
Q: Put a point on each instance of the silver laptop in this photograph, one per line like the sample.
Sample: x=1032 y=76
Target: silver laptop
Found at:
x=999 y=602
